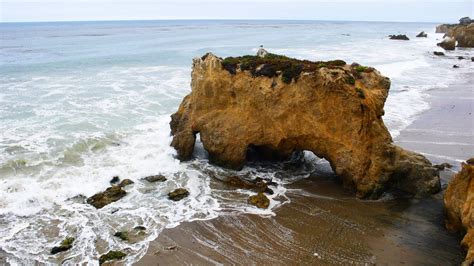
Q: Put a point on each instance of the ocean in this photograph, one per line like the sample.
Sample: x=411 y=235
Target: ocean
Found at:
x=81 y=102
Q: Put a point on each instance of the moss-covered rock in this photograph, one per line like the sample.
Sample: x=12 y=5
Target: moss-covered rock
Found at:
x=111 y=255
x=178 y=194
x=272 y=65
x=66 y=244
x=110 y=195
x=259 y=200
x=155 y=178
x=122 y=235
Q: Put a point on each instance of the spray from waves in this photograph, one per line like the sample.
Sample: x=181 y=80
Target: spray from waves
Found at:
x=37 y=213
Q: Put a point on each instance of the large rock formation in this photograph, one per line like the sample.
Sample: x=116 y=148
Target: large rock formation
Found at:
x=278 y=105
x=448 y=44
x=463 y=32
x=459 y=203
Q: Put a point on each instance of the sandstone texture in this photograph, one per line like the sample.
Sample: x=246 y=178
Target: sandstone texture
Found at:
x=448 y=44
x=459 y=204
x=278 y=105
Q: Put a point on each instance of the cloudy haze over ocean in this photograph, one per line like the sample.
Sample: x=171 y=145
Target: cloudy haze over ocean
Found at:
x=356 y=10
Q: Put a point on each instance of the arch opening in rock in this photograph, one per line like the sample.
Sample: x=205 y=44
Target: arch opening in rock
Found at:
x=331 y=108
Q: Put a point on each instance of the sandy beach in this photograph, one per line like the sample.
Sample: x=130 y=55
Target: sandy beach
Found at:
x=323 y=224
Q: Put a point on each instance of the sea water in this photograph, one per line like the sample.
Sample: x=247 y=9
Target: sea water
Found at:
x=81 y=102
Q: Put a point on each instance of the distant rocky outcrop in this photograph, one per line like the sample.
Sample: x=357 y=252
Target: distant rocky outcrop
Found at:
x=459 y=204
x=401 y=37
x=279 y=105
x=463 y=32
x=422 y=35
x=448 y=44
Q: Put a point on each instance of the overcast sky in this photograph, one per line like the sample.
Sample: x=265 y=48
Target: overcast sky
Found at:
x=358 y=10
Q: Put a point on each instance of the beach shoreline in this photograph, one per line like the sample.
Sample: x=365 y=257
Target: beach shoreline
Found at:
x=324 y=224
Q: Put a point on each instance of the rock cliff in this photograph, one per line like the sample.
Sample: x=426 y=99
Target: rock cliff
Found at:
x=459 y=204
x=277 y=105
x=463 y=32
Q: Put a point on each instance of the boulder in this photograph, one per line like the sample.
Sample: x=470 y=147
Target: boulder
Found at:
x=330 y=108
x=155 y=178
x=114 y=180
x=259 y=200
x=126 y=182
x=178 y=194
x=438 y=53
x=448 y=44
x=65 y=245
x=111 y=255
x=111 y=194
x=459 y=206
x=422 y=35
x=402 y=37
x=443 y=166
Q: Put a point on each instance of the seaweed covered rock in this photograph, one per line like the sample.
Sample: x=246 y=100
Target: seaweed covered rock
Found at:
x=459 y=205
x=111 y=255
x=65 y=245
x=260 y=200
x=178 y=194
x=110 y=195
x=282 y=105
x=155 y=178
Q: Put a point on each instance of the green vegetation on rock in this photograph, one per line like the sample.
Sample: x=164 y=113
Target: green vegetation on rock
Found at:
x=273 y=65
x=361 y=68
x=66 y=244
x=112 y=255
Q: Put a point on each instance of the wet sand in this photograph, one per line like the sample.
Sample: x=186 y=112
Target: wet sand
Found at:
x=324 y=225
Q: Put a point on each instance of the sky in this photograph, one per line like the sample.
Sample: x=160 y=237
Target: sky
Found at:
x=352 y=10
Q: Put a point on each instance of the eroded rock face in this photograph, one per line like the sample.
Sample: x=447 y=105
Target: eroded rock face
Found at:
x=448 y=44
x=463 y=34
x=285 y=105
x=459 y=204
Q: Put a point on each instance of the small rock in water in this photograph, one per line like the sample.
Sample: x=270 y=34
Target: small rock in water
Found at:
x=111 y=255
x=126 y=182
x=155 y=178
x=448 y=44
x=122 y=235
x=461 y=57
x=115 y=180
x=259 y=200
x=438 y=53
x=422 y=35
x=472 y=59
x=455 y=66
x=66 y=244
x=140 y=228
x=401 y=37
x=110 y=195
x=442 y=166
x=178 y=194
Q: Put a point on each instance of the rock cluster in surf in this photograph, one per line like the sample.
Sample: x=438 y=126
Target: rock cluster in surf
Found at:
x=278 y=105
x=459 y=204
x=462 y=33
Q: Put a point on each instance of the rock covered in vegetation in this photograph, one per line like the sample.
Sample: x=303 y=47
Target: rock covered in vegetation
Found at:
x=65 y=245
x=111 y=194
x=178 y=194
x=422 y=35
x=111 y=255
x=285 y=105
x=401 y=37
x=448 y=44
x=259 y=200
x=459 y=205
